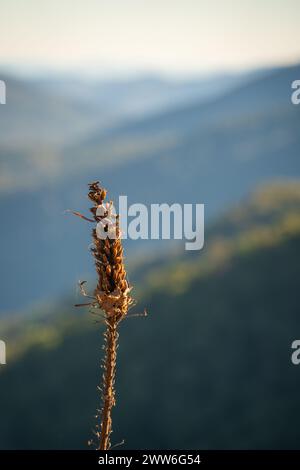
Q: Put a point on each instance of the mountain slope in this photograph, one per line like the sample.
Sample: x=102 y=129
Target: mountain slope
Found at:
x=255 y=97
x=208 y=368
x=32 y=115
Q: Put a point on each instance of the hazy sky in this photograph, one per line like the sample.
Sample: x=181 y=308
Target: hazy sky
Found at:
x=160 y=35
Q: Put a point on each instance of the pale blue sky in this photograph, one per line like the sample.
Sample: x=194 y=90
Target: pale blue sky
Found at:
x=161 y=35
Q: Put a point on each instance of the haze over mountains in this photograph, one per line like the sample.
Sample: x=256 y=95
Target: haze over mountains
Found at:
x=189 y=148
x=44 y=114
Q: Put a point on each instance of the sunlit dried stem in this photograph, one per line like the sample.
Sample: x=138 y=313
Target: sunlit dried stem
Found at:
x=112 y=295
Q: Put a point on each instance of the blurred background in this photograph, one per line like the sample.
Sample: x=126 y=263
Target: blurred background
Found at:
x=164 y=101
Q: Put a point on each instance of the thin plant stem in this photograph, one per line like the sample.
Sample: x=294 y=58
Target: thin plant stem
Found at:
x=108 y=395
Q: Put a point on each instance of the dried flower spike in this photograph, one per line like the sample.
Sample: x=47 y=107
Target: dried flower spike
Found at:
x=112 y=295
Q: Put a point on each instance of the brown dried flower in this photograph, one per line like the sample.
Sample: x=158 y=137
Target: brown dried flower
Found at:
x=112 y=295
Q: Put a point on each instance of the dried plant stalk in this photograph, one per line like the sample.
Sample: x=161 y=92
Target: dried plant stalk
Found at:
x=112 y=295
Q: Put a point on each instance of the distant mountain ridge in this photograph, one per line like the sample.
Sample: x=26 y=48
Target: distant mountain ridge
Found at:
x=44 y=114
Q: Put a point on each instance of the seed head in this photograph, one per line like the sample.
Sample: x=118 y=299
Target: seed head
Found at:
x=112 y=291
